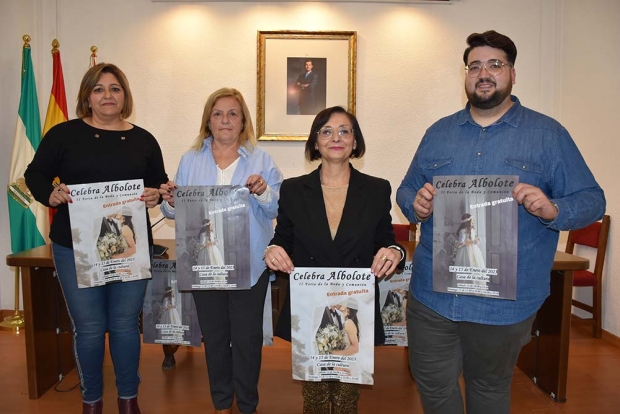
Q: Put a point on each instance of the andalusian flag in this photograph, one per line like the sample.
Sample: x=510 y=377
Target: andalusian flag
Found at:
x=57 y=106
x=28 y=218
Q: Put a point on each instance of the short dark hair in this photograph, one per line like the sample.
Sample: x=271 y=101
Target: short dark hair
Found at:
x=312 y=153
x=493 y=39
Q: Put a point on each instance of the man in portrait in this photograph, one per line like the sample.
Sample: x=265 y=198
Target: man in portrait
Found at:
x=306 y=84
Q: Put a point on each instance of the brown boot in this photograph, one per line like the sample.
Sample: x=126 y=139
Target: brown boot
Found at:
x=129 y=406
x=94 y=408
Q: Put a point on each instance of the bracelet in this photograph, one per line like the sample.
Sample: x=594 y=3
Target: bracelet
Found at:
x=267 y=249
x=400 y=250
x=421 y=220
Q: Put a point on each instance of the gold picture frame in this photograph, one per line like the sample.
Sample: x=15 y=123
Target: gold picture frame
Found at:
x=286 y=103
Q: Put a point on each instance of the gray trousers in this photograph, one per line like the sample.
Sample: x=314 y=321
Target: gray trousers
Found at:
x=231 y=322
x=440 y=350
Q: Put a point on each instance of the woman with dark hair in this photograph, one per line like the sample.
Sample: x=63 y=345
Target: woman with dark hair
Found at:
x=351 y=328
x=334 y=217
x=127 y=233
x=99 y=146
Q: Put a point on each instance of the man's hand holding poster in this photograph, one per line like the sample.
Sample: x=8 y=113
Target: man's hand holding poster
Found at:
x=475 y=235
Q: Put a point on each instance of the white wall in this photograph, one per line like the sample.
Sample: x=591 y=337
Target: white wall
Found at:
x=588 y=105
x=409 y=69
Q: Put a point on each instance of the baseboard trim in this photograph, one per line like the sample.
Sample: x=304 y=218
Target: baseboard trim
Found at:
x=611 y=338
x=582 y=323
x=7 y=312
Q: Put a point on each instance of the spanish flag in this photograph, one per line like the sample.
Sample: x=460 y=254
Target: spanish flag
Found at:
x=57 y=106
x=28 y=219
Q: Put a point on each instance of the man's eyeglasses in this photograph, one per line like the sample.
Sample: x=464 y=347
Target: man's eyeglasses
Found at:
x=343 y=132
x=494 y=67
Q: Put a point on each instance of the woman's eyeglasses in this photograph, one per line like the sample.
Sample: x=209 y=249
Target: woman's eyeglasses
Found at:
x=343 y=132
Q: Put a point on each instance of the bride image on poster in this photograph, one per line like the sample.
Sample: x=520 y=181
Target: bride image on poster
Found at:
x=338 y=332
x=208 y=245
x=117 y=238
x=169 y=313
x=468 y=251
x=393 y=310
x=351 y=329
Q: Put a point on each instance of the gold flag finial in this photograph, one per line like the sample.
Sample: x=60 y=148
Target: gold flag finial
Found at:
x=55 y=46
x=26 y=40
x=93 y=56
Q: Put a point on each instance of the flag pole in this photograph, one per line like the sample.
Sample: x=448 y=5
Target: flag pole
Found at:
x=16 y=321
x=93 y=56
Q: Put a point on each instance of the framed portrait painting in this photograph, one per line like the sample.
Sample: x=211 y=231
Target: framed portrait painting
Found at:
x=300 y=74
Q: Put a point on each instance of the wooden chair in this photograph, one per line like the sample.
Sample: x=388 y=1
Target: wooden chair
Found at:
x=595 y=235
x=405 y=232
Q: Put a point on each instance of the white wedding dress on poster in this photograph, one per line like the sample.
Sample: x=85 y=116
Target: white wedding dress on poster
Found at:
x=468 y=253
x=170 y=314
x=209 y=251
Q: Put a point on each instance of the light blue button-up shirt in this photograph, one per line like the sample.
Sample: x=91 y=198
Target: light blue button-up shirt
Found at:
x=199 y=168
x=524 y=143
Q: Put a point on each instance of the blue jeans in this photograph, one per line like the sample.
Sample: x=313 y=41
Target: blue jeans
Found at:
x=114 y=308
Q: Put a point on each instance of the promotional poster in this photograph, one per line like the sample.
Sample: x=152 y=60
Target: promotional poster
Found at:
x=168 y=316
x=332 y=319
x=475 y=235
x=109 y=230
x=393 y=300
x=212 y=237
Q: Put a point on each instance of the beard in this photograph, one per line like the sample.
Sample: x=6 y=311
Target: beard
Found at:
x=488 y=101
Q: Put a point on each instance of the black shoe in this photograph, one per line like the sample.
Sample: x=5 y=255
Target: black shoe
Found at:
x=169 y=363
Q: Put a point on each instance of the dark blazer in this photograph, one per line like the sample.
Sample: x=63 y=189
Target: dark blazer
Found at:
x=303 y=231
x=329 y=319
x=108 y=226
x=307 y=96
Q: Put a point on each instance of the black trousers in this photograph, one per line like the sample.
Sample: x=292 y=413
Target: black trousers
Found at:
x=231 y=322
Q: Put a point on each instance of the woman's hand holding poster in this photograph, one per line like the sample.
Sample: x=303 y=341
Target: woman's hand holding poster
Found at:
x=109 y=230
x=333 y=324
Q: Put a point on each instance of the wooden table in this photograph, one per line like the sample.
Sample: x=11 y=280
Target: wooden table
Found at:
x=545 y=358
x=49 y=354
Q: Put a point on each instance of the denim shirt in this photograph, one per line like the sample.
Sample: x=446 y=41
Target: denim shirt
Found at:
x=524 y=143
x=199 y=168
